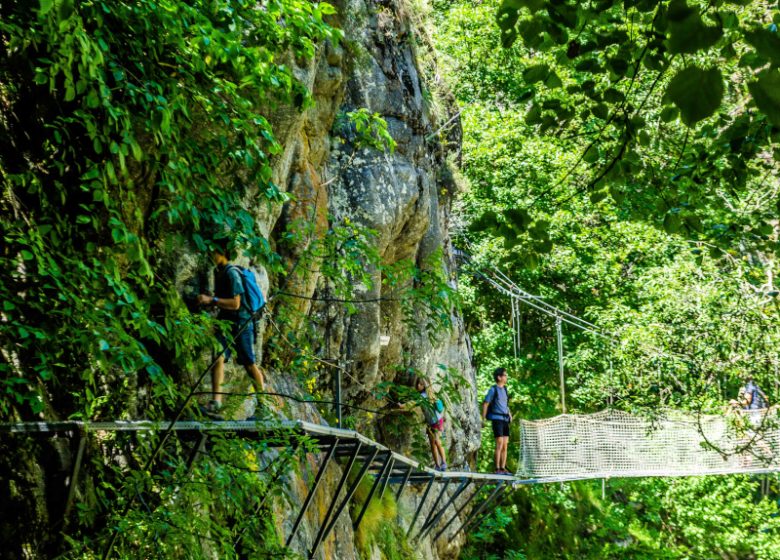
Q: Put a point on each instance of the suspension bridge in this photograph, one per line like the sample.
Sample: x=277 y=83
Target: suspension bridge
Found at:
x=569 y=447
x=609 y=444
x=615 y=444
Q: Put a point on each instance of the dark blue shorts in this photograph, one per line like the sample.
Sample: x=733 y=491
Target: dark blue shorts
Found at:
x=500 y=428
x=243 y=345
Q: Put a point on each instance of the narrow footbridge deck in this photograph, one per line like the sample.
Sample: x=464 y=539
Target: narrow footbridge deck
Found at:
x=352 y=449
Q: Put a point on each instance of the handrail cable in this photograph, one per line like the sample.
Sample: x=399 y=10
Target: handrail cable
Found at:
x=510 y=289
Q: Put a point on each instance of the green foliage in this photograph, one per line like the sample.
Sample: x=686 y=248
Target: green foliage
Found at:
x=426 y=295
x=639 y=194
x=704 y=517
x=103 y=166
x=697 y=93
x=365 y=130
x=765 y=93
x=231 y=488
x=616 y=73
x=129 y=131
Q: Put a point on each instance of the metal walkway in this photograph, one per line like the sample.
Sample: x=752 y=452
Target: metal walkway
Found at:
x=349 y=447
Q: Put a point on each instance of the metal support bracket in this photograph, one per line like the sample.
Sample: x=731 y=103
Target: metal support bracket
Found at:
x=483 y=509
x=422 y=503
x=310 y=495
x=332 y=517
x=350 y=492
x=444 y=483
x=343 y=479
x=403 y=484
x=74 y=477
x=459 y=510
x=384 y=470
x=432 y=523
x=386 y=477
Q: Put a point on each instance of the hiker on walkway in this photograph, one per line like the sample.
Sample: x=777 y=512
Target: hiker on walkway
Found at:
x=495 y=408
x=754 y=401
x=229 y=298
x=433 y=412
x=751 y=397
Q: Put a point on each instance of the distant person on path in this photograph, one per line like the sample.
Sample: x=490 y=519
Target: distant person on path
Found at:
x=751 y=397
x=753 y=400
x=433 y=412
x=230 y=300
x=495 y=408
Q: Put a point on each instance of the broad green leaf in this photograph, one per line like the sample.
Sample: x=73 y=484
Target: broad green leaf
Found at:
x=696 y=92
x=544 y=246
x=536 y=73
x=553 y=81
x=672 y=222
x=508 y=38
x=327 y=9
x=616 y=194
x=612 y=95
x=668 y=114
x=45 y=7
x=766 y=43
x=729 y=19
x=591 y=155
x=679 y=10
x=618 y=66
x=507 y=14
x=64 y=9
x=531 y=31
x=534 y=114
x=512 y=7
x=766 y=94
x=600 y=111
x=691 y=35
x=518 y=218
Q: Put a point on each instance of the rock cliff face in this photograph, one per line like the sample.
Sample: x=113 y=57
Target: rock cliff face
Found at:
x=405 y=197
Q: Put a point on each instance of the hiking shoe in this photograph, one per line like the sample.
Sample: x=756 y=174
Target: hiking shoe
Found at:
x=212 y=410
x=443 y=467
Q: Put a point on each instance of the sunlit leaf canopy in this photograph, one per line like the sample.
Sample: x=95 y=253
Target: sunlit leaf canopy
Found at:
x=672 y=107
x=641 y=196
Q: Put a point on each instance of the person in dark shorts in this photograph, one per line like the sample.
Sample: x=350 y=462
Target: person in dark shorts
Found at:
x=433 y=414
x=229 y=299
x=434 y=423
x=495 y=408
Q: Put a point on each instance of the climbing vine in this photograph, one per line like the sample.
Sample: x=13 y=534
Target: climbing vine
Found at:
x=129 y=130
x=128 y=133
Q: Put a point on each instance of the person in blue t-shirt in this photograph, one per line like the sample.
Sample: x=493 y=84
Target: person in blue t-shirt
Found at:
x=495 y=408
x=751 y=397
x=229 y=299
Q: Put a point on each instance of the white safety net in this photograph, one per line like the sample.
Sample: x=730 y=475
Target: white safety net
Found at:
x=613 y=443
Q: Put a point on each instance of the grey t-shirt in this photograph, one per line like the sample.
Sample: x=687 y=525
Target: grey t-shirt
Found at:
x=500 y=408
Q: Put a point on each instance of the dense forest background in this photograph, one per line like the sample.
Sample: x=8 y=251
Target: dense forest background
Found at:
x=606 y=178
x=617 y=158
